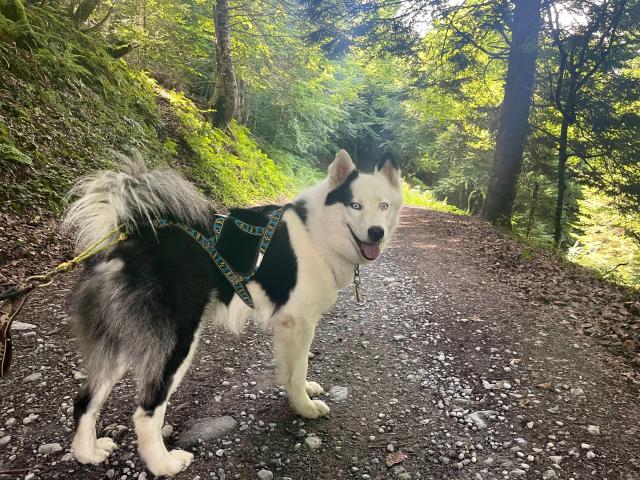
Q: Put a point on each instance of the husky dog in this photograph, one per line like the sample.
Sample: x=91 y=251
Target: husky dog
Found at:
x=142 y=303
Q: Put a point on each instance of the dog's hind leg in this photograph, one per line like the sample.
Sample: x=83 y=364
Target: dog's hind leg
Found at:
x=149 y=416
x=292 y=340
x=86 y=447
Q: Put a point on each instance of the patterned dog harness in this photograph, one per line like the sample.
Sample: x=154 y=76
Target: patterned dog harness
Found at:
x=238 y=281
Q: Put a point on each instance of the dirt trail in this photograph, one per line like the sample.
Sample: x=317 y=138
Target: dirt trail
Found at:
x=463 y=358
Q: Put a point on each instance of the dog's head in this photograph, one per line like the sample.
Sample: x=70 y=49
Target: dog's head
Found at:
x=364 y=207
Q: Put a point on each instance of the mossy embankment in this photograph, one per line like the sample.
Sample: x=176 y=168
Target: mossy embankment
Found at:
x=66 y=104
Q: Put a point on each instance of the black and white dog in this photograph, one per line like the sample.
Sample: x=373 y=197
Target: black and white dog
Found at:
x=142 y=303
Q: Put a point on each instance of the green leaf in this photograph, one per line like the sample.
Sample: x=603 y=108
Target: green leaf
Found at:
x=9 y=153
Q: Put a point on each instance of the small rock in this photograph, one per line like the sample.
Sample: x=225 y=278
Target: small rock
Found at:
x=142 y=476
x=555 y=459
x=594 y=430
x=549 y=475
x=49 y=448
x=111 y=473
x=30 y=476
x=67 y=457
x=30 y=419
x=265 y=475
x=5 y=440
x=167 y=431
x=398 y=338
x=115 y=431
x=79 y=375
x=220 y=452
x=577 y=392
x=313 y=443
x=401 y=473
x=477 y=420
x=591 y=455
x=34 y=377
x=338 y=394
x=17 y=326
x=208 y=428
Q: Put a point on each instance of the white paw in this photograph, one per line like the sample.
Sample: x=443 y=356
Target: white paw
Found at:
x=187 y=457
x=313 y=389
x=313 y=409
x=106 y=443
x=171 y=464
x=90 y=455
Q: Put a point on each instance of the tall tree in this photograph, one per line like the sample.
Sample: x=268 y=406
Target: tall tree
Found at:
x=225 y=102
x=514 y=116
x=583 y=52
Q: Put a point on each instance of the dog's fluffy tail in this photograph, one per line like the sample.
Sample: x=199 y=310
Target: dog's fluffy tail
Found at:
x=131 y=197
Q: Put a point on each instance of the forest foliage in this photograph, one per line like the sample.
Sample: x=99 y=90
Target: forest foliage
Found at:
x=423 y=81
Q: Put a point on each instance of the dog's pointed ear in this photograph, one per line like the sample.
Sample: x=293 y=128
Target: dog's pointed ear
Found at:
x=390 y=169
x=340 y=169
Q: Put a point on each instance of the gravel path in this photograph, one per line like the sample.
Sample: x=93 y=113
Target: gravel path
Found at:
x=447 y=371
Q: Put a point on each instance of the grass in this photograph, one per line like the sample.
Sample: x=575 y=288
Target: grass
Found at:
x=416 y=197
x=229 y=165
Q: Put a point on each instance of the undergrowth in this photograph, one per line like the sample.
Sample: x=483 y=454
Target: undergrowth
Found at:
x=417 y=197
x=230 y=166
x=66 y=105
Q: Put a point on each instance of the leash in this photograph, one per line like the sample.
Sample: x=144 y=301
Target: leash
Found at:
x=13 y=299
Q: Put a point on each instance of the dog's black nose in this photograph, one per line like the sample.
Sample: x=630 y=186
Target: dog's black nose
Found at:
x=376 y=233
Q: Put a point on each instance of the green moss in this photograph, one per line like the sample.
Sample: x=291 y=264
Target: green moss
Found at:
x=67 y=103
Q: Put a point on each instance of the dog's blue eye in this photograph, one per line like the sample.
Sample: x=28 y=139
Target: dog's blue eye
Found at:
x=355 y=206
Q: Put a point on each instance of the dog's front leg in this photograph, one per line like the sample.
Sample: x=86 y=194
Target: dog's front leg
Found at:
x=292 y=338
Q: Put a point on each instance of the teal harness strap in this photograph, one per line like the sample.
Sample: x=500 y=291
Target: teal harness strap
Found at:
x=236 y=280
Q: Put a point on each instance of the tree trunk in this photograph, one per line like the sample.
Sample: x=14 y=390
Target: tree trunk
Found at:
x=101 y=24
x=533 y=203
x=514 y=116
x=84 y=11
x=276 y=131
x=562 y=179
x=225 y=103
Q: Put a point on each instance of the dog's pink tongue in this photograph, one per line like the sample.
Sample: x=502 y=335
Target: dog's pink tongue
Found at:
x=370 y=250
